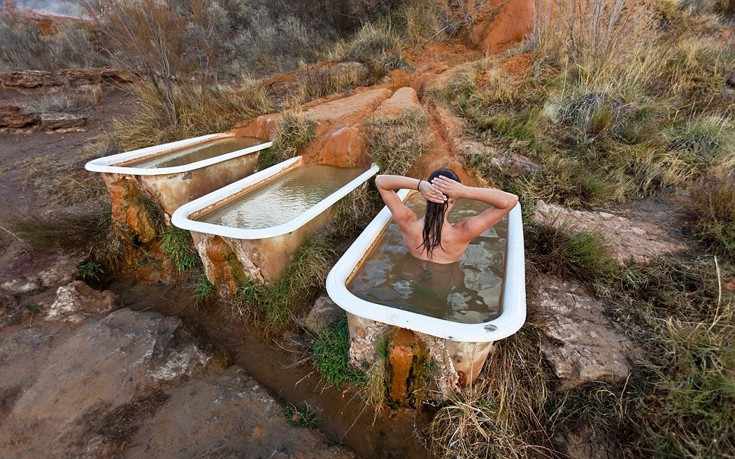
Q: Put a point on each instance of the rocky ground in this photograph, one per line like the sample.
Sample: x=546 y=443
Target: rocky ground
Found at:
x=80 y=374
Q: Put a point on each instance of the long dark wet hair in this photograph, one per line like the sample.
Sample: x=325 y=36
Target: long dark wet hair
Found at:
x=434 y=218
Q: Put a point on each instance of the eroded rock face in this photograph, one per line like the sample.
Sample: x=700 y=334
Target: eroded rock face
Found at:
x=11 y=116
x=98 y=367
x=402 y=102
x=507 y=24
x=227 y=415
x=455 y=364
x=629 y=241
x=57 y=121
x=69 y=77
x=581 y=344
x=78 y=301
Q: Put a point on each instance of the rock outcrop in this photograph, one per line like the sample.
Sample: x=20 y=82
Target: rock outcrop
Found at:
x=581 y=344
x=227 y=415
x=506 y=24
x=78 y=301
x=29 y=79
x=629 y=241
x=103 y=365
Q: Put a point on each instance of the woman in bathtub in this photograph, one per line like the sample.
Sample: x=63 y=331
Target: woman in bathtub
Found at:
x=431 y=237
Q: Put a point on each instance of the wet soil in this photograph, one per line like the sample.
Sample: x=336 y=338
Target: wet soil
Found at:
x=280 y=366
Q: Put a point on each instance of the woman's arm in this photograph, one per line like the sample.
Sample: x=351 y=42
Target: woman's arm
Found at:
x=501 y=202
x=388 y=185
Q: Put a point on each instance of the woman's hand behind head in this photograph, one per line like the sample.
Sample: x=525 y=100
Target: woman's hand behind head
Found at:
x=447 y=186
x=431 y=193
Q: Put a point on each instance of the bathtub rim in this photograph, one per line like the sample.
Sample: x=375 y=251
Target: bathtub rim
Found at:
x=106 y=164
x=180 y=217
x=513 y=301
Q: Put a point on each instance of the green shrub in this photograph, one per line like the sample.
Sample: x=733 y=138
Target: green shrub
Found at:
x=714 y=208
x=204 y=291
x=90 y=270
x=276 y=304
x=302 y=417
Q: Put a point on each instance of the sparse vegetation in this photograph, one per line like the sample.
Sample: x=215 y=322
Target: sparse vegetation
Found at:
x=396 y=143
x=198 y=110
x=176 y=244
x=90 y=270
x=302 y=417
x=25 y=47
x=330 y=349
x=204 y=291
x=294 y=131
x=714 y=208
x=277 y=304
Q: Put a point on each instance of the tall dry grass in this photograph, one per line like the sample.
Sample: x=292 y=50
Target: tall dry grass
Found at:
x=503 y=414
x=198 y=109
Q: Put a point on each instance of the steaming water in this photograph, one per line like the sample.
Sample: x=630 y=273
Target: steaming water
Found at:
x=194 y=153
x=467 y=291
x=283 y=199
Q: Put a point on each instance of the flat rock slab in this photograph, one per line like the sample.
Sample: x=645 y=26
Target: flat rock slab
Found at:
x=581 y=344
x=98 y=367
x=629 y=241
x=227 y=415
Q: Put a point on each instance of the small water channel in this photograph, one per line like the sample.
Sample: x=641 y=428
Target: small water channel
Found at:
x=345 y=418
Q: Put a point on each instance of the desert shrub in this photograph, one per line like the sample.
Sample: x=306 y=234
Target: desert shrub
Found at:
x=70 y=231
x=395 y=144
x=330 y=348
x=321 y=82
x=376 y=45
x=293 y=132
x=705 y=141
x=25 y=47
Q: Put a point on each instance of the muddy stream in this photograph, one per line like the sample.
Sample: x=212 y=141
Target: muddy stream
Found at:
x=345 y=418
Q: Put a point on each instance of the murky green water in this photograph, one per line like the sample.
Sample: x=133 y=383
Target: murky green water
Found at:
x=467 y=291
x=283 y=199
x=198 y=152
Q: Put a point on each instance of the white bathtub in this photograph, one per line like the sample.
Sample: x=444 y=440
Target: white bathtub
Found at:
x=116 y=164
x=262 y=253
x=513 y=300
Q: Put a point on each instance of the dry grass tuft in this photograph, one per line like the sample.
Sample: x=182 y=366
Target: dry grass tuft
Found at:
x=294 y=131
x=198 y=110
x=396 y=144
x=714 y=209
x=503 y=414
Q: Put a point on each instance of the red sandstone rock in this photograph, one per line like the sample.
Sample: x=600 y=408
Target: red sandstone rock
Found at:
x=55 y=121
x=498 y=32
x=400 y=103
x=11 y=116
